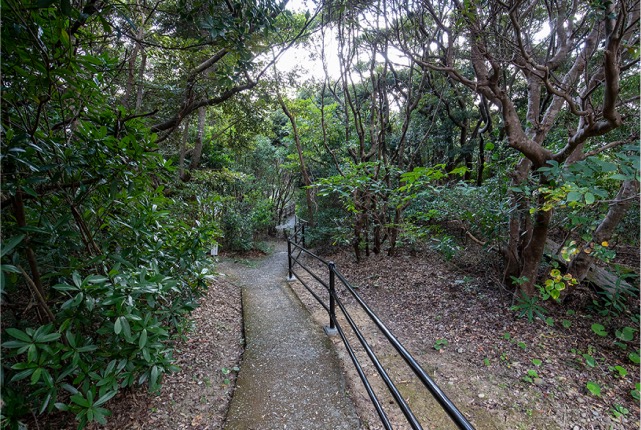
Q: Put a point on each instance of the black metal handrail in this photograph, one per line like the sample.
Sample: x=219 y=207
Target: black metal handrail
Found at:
x=299 y=231
x=295 y=250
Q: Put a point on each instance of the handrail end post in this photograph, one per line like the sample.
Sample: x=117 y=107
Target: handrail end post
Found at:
x=332 y=292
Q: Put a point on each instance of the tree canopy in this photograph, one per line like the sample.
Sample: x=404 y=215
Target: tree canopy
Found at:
x=137 y=134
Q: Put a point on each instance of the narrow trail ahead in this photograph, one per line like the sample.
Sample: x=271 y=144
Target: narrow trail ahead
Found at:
x=290 y=377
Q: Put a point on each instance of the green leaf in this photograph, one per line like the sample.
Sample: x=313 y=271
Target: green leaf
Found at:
x=64 y=37
x=118 y=326
x=599 y=330
x=21 y=375
x=65 y=287
x=32 y=353
x=96 y=279
x=78 y=399
x=589 y=360
x=574 y=196
x=153 y=378
x=594 y=388
x=635 y=393
x=104 y=399
x=100 y=414
x=626 y=334
x=77 y=280
x=622 y=371
x=634 y=357
x=87 y=348
x=19 y=334
x=105 y=24
x=35 y=376
x=13 y=344
x=77 y=300
x=48 y=338
x=70 y=388
x=536 y=362
x=61 y=407
x=619 y=177
x=126 y=330
x=11 y=243
x=142 y=341
x=9 y=268
x=589 y=198
x=146 y=355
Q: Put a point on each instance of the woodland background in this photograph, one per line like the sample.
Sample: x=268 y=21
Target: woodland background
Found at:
x=136 y=134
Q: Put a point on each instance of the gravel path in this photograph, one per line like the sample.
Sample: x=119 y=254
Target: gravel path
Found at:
x=290 y=377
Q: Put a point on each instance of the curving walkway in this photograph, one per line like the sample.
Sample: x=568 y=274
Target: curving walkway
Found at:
x=290 y=377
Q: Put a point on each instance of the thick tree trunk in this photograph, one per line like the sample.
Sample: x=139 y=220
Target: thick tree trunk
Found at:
x=533 y=251
x=512 y=254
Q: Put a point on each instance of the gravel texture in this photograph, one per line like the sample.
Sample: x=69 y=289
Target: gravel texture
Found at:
x=290 y=377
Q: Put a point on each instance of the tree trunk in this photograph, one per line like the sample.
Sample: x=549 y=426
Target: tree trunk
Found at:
x=481 y=163
x=512 y=254
x=182 y=151
x=583 y=261
x=131 y=73
x=394 y=229
x=198 y=148
x=533 y=250
x=35 y=281
x=303 y=169
x=141 y=77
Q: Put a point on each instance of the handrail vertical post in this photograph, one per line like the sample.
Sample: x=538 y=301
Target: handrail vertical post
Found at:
x=290 y=275
x=332 y=293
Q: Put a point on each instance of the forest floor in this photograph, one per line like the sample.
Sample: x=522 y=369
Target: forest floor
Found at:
x=503 y=372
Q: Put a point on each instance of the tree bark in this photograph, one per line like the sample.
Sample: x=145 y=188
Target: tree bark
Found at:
x=303 y=168
x=198 y=148
x=183 y=151
x=141 y=77
x=34 y=281
x=581 y=264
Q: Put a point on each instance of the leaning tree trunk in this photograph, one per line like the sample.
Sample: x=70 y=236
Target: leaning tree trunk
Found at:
x=303 y=168
x=584 y=260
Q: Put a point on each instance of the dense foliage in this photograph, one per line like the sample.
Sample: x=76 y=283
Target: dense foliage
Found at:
x=103 y=247
x=137 y=135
